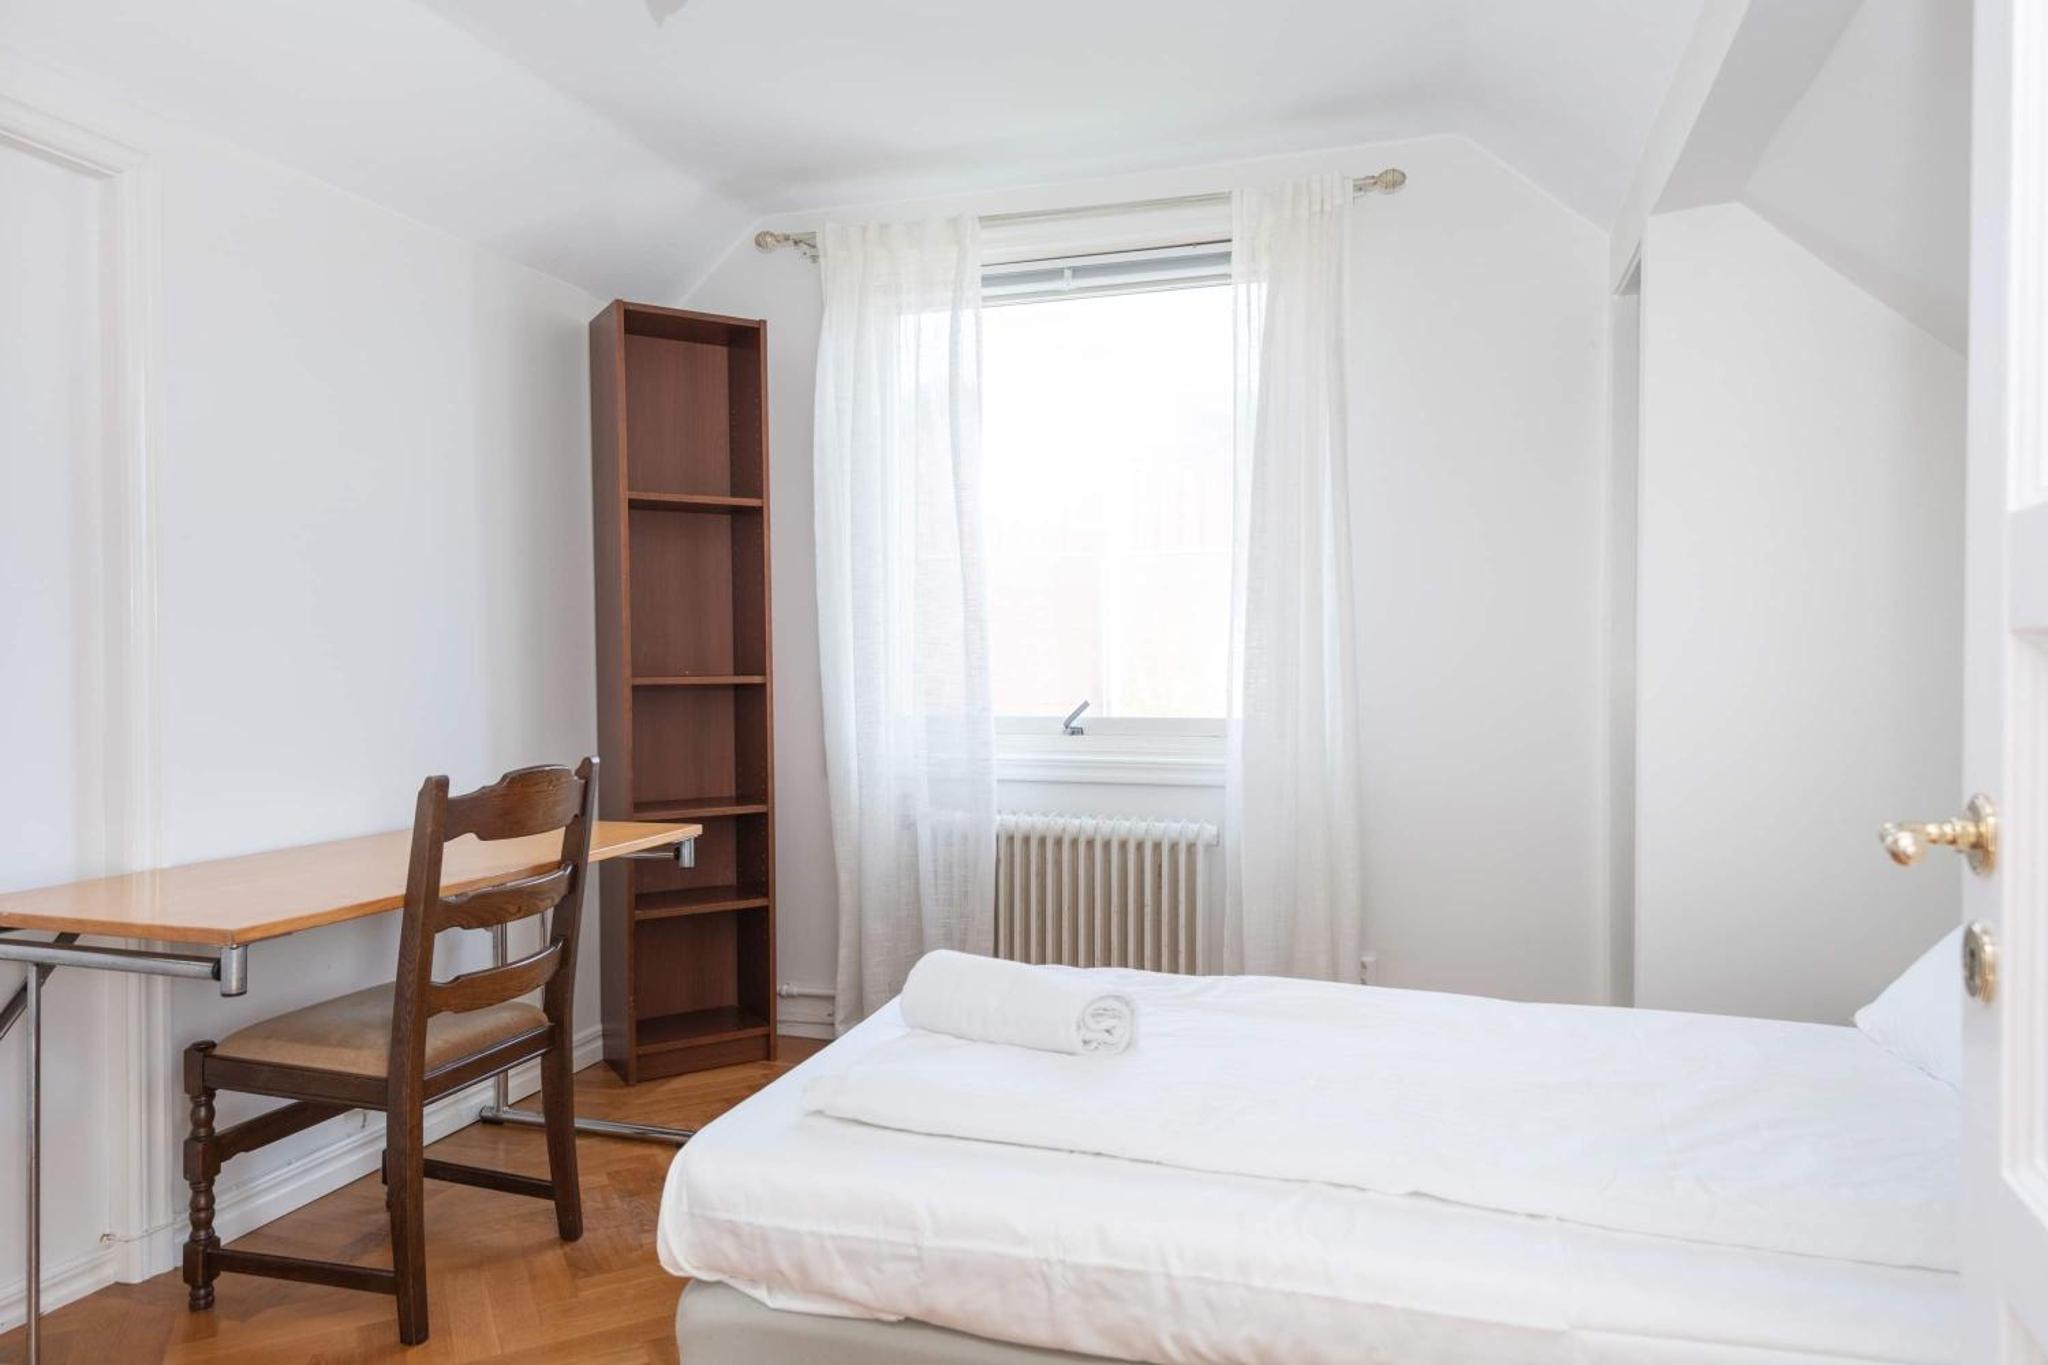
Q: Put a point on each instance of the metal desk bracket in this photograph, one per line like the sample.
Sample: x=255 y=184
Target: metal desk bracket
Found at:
x=229 y=966
x=682 y=853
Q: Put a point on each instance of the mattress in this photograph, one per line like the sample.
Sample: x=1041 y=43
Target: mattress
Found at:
x=1097 y=1255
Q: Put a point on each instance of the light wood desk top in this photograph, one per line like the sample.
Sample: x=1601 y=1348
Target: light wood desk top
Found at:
x=267 y=895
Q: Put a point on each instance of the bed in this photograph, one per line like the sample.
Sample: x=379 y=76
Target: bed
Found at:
x=812 y=1238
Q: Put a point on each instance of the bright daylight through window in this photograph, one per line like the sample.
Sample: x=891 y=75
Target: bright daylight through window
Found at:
x=1106 y=428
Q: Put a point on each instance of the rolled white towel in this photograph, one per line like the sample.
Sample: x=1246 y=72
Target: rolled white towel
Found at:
x=992 y=1001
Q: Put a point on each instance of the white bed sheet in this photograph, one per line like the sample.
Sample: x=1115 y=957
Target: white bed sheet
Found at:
x=1127 y=1259
x=1754 y=1133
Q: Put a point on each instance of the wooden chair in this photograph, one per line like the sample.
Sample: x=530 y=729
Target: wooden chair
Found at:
x=395 y=1048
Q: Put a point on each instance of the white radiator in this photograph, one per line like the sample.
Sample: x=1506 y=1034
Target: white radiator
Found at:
x=1091 y=892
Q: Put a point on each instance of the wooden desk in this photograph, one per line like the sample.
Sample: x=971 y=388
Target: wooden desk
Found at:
x=225 y=905
x=235 y=901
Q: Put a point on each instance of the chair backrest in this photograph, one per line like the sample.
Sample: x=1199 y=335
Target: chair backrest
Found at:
x=521 y=804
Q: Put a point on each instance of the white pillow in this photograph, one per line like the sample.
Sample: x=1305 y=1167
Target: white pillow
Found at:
x=1919 y=1017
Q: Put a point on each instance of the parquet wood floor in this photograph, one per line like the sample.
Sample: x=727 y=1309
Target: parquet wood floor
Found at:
x=502 y=1287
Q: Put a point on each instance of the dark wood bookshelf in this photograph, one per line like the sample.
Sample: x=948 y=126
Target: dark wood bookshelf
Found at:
x=695 y=1028
x=679 y=488
x=701 y=900
x=691 y=502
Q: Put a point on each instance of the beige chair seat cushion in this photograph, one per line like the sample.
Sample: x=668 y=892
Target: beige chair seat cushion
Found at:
x=353 y=1034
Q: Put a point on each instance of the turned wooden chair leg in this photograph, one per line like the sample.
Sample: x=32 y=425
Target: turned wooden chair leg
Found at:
x=201 y=1166
x=403 y=1154
x=558 y=1107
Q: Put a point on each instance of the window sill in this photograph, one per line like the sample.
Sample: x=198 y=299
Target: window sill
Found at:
x=1133 y=760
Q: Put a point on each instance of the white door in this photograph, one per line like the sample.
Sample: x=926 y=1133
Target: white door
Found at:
x=2005 y=1229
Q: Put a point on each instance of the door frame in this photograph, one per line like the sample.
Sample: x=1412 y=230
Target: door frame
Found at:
x=141 y=1097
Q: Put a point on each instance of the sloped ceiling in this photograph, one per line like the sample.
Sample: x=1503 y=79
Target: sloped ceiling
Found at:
x=1870 y=171
x=624 y=152
x=388 y=100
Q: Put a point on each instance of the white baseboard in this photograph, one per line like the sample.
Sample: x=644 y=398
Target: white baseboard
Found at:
x=76 y=1278
x=243 y=1208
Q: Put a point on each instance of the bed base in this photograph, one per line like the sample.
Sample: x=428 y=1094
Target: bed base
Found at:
x=718 y=1325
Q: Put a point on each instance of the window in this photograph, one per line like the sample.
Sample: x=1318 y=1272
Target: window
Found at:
x=1107 y=431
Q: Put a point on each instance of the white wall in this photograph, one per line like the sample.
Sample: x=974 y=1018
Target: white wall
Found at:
x=375 y=559
x=373 y=504
x=1799 y=645
x=1478 y=374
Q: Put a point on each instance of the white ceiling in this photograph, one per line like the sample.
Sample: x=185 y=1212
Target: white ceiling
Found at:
x=624 y=154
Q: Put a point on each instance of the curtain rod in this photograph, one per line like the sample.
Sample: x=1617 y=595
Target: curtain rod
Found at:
x=1384 y=182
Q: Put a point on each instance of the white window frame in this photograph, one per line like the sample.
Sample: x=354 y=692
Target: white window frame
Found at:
x=1151 y=751
x=1139 y=750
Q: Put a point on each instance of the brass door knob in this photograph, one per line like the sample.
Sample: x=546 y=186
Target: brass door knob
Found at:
x=1975 y=836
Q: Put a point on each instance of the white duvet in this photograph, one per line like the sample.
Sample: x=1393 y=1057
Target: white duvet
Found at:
x=1139 y=1261
x=1738 y=1132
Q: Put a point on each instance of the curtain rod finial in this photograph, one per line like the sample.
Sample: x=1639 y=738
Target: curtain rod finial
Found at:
x=806 y=243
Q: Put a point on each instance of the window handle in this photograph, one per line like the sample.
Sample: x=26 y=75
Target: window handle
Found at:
x=1069 y=726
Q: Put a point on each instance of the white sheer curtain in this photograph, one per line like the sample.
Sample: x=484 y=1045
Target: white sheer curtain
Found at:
x=1294 y=898
x=902 y=607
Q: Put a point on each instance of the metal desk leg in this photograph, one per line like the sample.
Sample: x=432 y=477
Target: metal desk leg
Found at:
x=500 y=1110
x=227 y=966
x=34 y=1245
